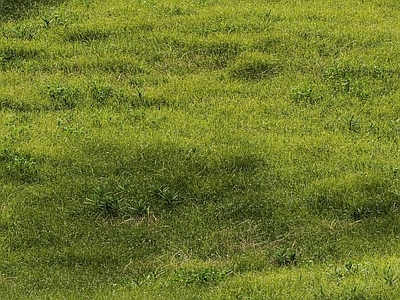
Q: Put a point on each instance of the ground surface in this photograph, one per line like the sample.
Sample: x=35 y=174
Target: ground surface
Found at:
x=200 y=150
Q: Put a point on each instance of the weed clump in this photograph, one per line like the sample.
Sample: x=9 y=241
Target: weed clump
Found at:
x=101 y=93
x=285 y=257
x=305 y=95
x=167 y=195
x=19 y=167
x=104 y=202
x=111 y=202
x=63 y=97
x=348 y=80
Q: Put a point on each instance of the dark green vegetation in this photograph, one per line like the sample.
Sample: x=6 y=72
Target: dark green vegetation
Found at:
x=200 y=150
x=14 y=9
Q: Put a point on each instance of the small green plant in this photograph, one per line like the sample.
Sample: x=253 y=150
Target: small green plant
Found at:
x=65 y=127
x=138 y=84
x=101 y=93
x=63 y=97
x=167 y=195
x=354 y=294
x=19 y=166
x=390 y=276
x=354 y=124
x=339 y=273
x=285 y=257
x=140 y=208
x=106 y=203
x=351 y=267
x=304 y=95
x=348 y=80
x=340 y=77
x=47 y=21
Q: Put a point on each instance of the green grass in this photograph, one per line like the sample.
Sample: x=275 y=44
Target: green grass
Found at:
x=199 y=150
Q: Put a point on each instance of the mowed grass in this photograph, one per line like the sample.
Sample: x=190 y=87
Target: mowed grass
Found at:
x=200 y=150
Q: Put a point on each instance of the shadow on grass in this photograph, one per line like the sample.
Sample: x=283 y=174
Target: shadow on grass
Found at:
x=17 y=9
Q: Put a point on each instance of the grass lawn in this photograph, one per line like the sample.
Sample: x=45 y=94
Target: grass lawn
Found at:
x=200 y=149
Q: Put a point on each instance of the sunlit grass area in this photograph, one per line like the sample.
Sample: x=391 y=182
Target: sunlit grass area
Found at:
x=200 y=150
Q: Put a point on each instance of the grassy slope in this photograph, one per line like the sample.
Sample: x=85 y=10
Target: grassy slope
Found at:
x=201 y=149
